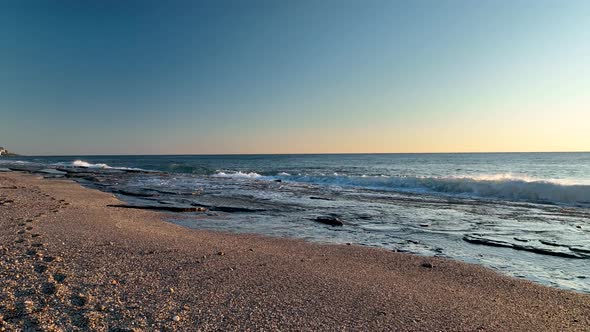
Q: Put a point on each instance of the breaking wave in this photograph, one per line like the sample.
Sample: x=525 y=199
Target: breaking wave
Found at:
x=238 y=174
x=85 y=164
x=488 y=186
x=82 y=163
x=496 y=186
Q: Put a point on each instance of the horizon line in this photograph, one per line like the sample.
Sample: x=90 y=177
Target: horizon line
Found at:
x=290 y=154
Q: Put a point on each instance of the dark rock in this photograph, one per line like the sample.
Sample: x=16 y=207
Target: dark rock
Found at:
x=122 y=329
x=542 y=251
x=492 y=243
x=48 y=259
x=137 y=193
x=40 y=268
x=427 y=265
x=320 y=198
x=27 y=169
x=160 y=208
x=551 y=243
x=129 y=170
x=49 y=288
x=70 y=170
x=51 y=171
x=228 y=209
x=59 y=277
x=329 y=220
x=580 y=249
x=231 y=209
x=79 y=300
x=278 y=180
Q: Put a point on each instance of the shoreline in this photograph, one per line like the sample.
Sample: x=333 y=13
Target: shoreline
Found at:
x=69 y=262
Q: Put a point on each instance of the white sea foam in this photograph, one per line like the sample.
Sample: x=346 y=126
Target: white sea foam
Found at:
x=500 y=186
x=238 y=174
x=82 y=163
x=85 y=164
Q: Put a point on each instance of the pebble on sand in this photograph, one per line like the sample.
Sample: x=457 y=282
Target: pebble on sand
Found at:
x=427 y=265
x=80 y=300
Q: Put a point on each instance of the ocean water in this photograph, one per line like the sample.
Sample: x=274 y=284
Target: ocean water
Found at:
x=524 y=214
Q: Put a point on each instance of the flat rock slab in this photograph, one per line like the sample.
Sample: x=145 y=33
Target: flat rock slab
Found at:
x=51 y=171
x=555 y=251
x=160 y=208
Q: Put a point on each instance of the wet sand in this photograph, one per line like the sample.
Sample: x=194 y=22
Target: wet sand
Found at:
x=69 y=262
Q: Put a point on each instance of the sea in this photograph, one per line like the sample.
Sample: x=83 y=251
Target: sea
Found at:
x=526 y=215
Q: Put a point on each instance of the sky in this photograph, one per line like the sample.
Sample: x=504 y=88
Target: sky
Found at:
x=363 y=76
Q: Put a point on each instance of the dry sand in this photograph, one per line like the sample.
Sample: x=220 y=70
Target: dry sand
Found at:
x=68 y=262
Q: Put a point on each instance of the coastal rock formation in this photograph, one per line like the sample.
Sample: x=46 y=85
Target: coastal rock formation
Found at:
x=557 y=250
x=330 y=220
x=5 y=153
x=160 y=208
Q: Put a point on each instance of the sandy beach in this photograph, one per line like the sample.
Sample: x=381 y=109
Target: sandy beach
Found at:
x=70 y=262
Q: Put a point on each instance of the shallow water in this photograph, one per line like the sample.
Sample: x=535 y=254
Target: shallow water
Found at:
x=526 y=215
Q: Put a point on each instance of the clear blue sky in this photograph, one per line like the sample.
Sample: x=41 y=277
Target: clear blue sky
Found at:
x=134 y=77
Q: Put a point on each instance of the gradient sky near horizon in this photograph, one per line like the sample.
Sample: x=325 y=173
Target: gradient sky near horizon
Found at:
x=181 y=77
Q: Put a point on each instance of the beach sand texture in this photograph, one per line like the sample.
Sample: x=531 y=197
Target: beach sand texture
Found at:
x=68 y=262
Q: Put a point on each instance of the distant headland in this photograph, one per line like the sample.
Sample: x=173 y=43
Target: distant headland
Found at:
x=5 y=153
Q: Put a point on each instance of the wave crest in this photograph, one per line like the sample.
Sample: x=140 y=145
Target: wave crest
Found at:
x=487 y=186
x=85 y=164
x=238 y=174
x=82 y=163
